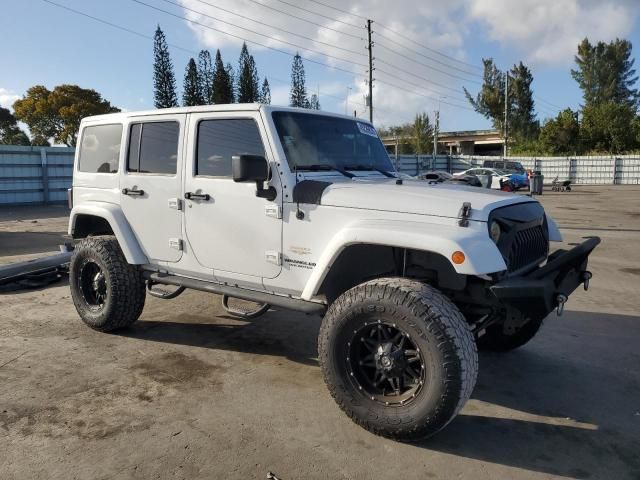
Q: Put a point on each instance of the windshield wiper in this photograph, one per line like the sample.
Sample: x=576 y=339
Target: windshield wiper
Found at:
x=375 y=169
x=324 y=167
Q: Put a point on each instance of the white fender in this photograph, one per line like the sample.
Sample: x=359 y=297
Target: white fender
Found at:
x=554 y=231
x=482 y=255
x=119 y=224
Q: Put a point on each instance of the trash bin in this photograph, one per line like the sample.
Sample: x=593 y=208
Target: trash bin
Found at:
x=535 y=183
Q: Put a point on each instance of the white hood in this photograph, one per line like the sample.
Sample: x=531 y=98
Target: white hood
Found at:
x=416 y=196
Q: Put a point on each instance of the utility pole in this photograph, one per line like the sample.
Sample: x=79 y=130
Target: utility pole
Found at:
x=506 y=111
x=436 y=126
x=370 y=49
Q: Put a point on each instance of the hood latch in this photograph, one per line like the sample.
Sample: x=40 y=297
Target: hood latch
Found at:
x=464 y=214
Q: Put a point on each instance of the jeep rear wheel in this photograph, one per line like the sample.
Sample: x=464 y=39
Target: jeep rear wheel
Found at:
x=398 y=357
x=108 y=293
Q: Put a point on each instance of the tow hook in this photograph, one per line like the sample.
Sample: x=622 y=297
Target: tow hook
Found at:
x=561 y=299
x=586 y=276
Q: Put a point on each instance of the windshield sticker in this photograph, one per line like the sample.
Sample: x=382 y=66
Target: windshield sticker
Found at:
x=367 y=129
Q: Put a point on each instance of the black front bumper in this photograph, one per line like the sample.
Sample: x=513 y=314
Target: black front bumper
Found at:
x=537 y=293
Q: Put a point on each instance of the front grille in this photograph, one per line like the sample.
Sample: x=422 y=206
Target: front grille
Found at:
x=529 y=246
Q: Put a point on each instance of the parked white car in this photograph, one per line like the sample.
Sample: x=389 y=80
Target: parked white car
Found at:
x=303 y=210
x=497 y=175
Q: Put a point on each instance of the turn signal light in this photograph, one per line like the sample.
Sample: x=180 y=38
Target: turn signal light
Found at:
x=457 y=257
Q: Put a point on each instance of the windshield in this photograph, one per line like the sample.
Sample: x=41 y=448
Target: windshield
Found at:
x=310 y=140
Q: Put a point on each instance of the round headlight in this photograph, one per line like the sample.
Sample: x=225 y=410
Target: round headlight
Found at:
x=495 y=231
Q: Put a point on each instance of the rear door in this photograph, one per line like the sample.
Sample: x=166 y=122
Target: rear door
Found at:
x=150 y=185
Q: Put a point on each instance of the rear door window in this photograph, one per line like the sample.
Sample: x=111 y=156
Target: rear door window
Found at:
x=100 y=149
x=153 y=148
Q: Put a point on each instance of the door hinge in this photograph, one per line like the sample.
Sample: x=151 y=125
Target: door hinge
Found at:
x=176 y=243
x=273 y=210
x=273 y=257
x=175 y=203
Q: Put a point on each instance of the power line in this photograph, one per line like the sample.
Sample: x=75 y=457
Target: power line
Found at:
x=431 y=67
x=556 y=107
x=417 y=85
x=399 y=35
x=359 y=37
x=466 y=72
x=384 y=82
x=119 y=27
x=258 y=43
x=264 y=24
x=249 y=30
x=319 y=14
x=477 y=67
x=338 y=9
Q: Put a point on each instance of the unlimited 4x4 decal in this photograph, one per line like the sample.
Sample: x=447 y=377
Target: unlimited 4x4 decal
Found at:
x=292 y=262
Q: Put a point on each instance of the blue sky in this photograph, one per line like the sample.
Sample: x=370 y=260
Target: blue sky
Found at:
x=45 y=44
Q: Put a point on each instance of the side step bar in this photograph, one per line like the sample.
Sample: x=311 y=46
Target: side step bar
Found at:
x=52 y=264
x=237 y=292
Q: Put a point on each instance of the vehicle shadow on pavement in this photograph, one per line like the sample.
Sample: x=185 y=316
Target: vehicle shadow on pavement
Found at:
x=565 y=404
x=289 y=335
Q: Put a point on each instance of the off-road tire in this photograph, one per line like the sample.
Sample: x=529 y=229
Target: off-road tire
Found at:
x=436 y=327
x=496 y=340
x=125 y=286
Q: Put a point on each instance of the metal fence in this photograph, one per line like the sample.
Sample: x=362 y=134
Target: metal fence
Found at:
x=43 y=174
x=34 y=174
x=592 y=170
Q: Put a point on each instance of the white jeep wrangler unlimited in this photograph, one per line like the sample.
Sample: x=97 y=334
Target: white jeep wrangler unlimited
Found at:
x=303 y=210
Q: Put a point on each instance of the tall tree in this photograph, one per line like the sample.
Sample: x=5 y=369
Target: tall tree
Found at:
x=422 y=134
x=298 y=94
x=605 y=73
x=10 y=132
x=205 y=76
x=489 y=102
x=164 y=81
x=265 y=92
x=248 y=80
x=314 y=102
x=522 y=119
x=222 y=83
x=191 y=94
x=57 y=113
x=560 y=135
x=608 y=127
x=232 y=81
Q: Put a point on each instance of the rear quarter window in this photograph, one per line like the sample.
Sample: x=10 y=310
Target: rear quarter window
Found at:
x=100 y=149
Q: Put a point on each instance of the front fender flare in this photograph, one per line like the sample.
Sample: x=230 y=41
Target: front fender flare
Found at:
x=119 y=224
x=482 y=256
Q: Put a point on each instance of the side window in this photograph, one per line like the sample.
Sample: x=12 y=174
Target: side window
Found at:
x=100 y=149
x=153 y=147
x=219 y=140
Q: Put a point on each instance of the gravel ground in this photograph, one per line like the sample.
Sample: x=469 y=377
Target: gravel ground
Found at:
x=192 y=393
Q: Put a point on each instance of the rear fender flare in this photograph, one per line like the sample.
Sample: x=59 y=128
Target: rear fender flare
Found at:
x=119 y=224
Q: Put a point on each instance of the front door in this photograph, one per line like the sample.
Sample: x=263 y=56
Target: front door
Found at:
x=150 y=185
x=228 y=228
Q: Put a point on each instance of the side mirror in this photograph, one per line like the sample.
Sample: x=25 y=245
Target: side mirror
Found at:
x=249 y=168
x=253 y=168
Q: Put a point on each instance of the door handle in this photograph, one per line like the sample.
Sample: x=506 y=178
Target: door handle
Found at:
x=132 y=192
x=197 y=196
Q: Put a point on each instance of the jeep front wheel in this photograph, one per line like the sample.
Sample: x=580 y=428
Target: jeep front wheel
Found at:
x=108 y=292
x=398 y=357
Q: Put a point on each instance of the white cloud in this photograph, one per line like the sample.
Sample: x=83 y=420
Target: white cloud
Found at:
x=541 y=31
x=548 y=31
x=7 y=97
